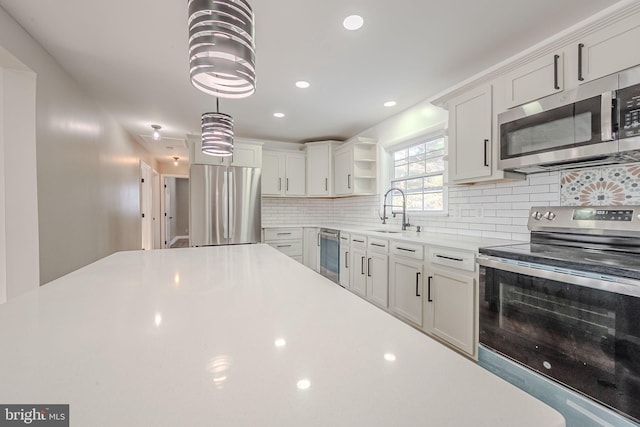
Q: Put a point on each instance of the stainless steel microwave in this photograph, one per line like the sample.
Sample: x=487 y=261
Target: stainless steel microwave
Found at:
x=595 y=124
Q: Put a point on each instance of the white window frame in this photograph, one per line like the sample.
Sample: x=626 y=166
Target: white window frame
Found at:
x=415 y=141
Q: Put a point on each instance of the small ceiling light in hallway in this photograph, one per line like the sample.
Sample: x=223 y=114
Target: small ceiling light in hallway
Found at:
x=175 y=161
x=217 y=133
x=222 y=47
x=156 y=132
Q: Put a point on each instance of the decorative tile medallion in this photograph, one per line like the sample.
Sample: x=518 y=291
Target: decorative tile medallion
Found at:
x=614 y=185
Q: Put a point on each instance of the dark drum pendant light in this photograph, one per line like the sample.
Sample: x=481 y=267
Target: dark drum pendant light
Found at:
x=217 y=133
x=222 y=48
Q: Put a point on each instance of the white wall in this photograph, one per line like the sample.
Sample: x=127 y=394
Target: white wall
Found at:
x=87 y=167
x=19 y=269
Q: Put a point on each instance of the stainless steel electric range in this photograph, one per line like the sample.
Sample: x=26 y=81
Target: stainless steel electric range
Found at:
x=567 y=307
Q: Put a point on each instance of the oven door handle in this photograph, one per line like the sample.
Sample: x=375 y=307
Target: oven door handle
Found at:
x=619 y=285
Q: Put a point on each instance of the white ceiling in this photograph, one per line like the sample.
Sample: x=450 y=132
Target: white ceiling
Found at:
x=132 y=56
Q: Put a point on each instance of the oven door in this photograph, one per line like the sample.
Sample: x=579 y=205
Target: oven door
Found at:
x=579 y=330
x=330 y=254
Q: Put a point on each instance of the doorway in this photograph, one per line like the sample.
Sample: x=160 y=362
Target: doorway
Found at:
x=176 y=212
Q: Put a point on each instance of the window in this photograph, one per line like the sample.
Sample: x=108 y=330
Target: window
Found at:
x=418 y=170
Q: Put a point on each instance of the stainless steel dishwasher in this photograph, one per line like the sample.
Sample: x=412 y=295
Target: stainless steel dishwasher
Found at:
x=330 y=254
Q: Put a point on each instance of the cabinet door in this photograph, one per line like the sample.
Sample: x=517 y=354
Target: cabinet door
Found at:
x=345 y=265
x=272 y=184
x=378 y=279
x=405 y=289
x=247 y=156
x=470 y=119
x=535 y=80
x=318 y=168
x=607 y=51
x=344 y=172
x=358 y=271
x=295 y=176
x=311 y=255
x=450 y=312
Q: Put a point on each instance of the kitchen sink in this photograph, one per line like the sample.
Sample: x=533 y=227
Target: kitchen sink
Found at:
x=386 y=231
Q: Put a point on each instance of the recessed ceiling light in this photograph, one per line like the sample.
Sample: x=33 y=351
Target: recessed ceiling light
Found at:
x=353 y=22
x=390 y=104
x=302 y=84
x=278 y=115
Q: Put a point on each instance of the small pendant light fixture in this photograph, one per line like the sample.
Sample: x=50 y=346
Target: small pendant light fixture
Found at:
x=222 y=47
x=156 y=132
x=175 y=161
x=217 y=133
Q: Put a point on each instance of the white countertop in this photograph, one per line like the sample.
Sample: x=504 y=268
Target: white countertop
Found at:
x=456 y=241
x=186 y=337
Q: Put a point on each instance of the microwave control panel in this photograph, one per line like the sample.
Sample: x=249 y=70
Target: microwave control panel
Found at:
x=629 y=107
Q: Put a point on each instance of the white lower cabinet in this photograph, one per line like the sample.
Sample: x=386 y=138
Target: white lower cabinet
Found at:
x=369 y=268
x=345 y=260
x=450 y=298
x=377 y=269
x=286 y=240
x=311 y=252
x=358 y=270
x=405 y=289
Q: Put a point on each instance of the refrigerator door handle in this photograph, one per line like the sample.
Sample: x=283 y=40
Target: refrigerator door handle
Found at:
x=225 y=205
x=231 y=201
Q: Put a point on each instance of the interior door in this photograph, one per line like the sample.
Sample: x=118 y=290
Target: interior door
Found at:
x=146 y=206
x=167 y=212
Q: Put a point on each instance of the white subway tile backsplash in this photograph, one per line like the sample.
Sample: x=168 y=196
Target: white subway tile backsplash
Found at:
x=498 y=210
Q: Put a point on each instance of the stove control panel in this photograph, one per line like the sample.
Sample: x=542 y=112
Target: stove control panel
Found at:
x=591 y=214
x=589 y=220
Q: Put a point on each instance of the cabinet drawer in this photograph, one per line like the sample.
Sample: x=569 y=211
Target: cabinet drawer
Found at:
x=292 y=249
x=275 y=234
x=408 y=250
x=345 y=238
x=378 y=245
x=358 y=241
x=456 y=258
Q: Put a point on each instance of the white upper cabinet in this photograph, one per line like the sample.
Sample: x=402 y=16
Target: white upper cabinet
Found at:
x=344 y=172
x=283 y=173
x=470 y=142
x=244 y=154
x=535 y=80
x=356 y=168
x=320 y=168
x=606 y=51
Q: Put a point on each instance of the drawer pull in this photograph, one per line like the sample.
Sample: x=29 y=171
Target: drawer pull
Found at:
x=283 y=246
x=283 y=234
x=417 y=283
x=346 y=260
x=359 y=241
x=362 y=266
x=369 y=267
x=406 y=250
x=378 y=245
x=343 y=238
x=449 y=257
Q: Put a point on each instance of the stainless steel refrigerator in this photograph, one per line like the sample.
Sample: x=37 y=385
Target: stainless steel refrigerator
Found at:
x=225 y=205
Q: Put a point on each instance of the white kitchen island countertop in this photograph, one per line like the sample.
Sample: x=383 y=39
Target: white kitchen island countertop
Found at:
x=236 y=336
